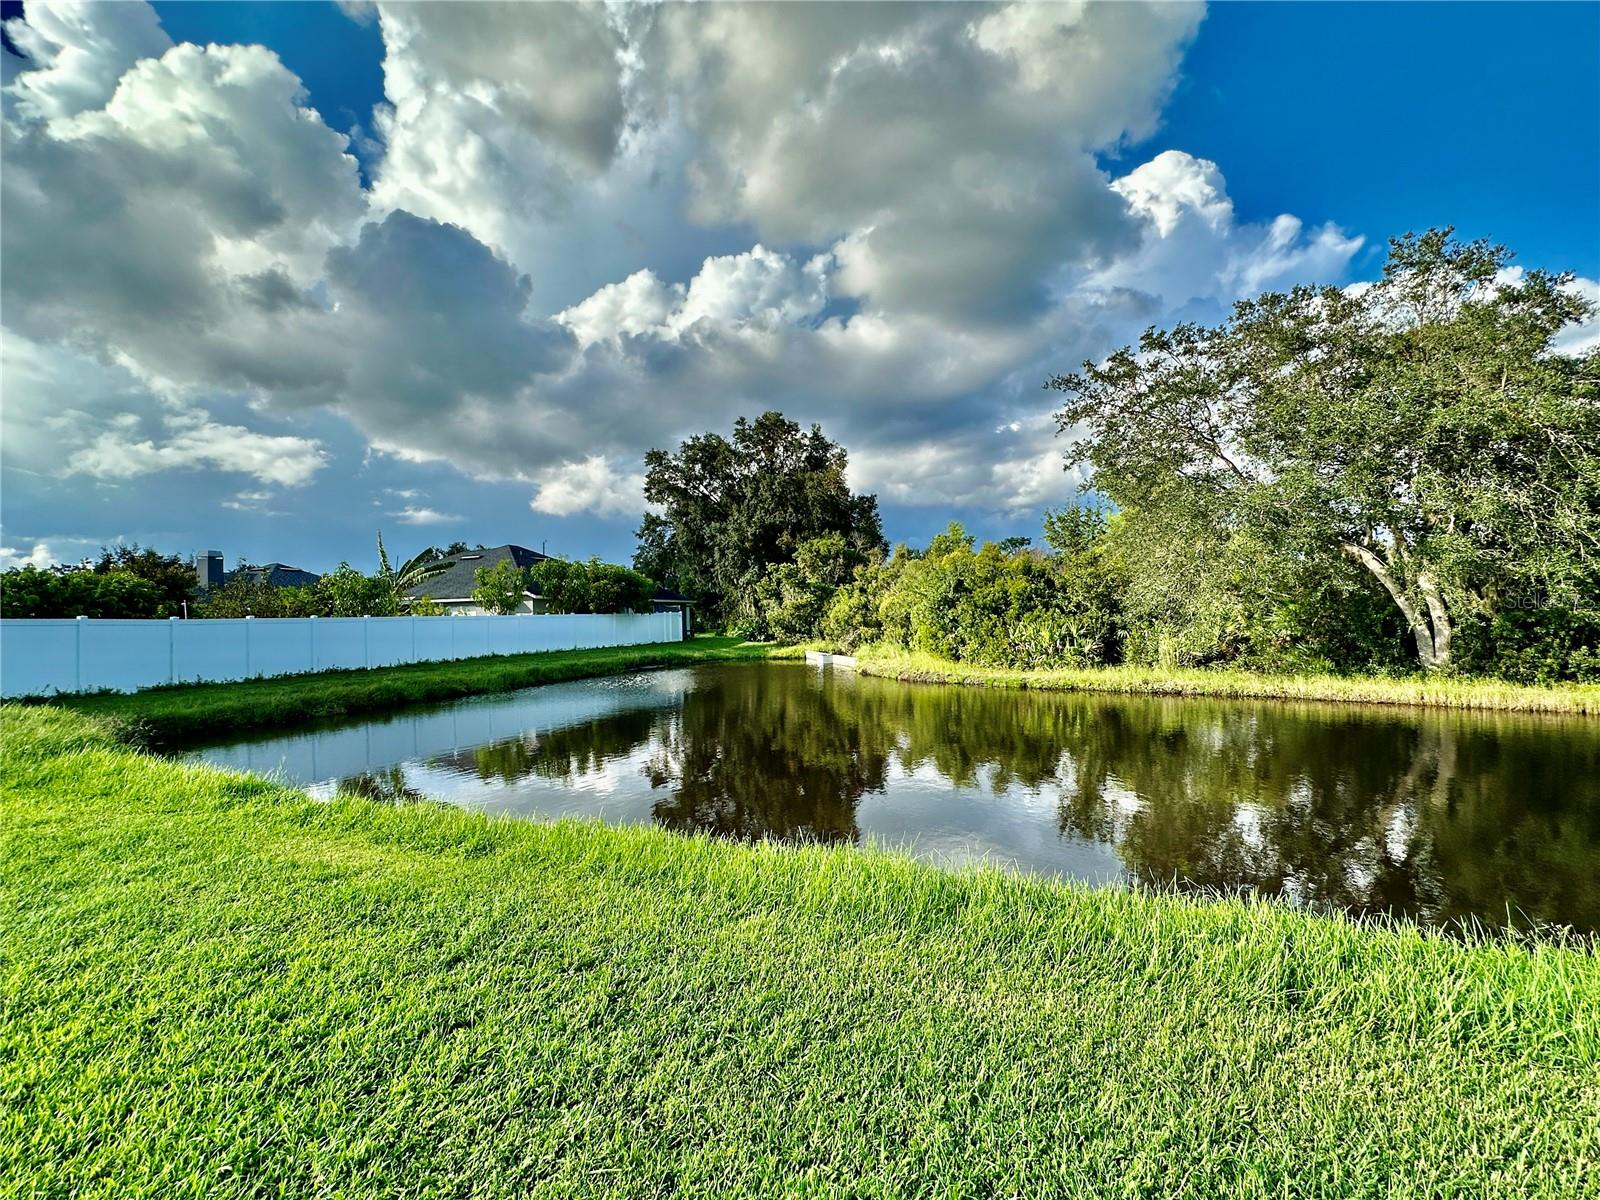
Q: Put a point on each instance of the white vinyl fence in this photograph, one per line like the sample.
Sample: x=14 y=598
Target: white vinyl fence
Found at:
x=43 y=657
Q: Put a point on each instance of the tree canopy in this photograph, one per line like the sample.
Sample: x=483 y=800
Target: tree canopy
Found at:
x=172 y=576
x=500 y=588
x=1423 y=428
x=30 y=592
x=730 y=508
x=124 y=581
x=590 y=587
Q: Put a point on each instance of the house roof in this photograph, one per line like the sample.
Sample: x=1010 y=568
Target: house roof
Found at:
x=459 y=577
x=665 y=595
x=273 y=574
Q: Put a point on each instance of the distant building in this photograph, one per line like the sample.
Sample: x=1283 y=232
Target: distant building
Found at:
x=453 y=586
x=667 y=600
x=209 y=573
x=275 y=574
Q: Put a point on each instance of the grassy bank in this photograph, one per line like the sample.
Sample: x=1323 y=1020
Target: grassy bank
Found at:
x=214 y=986
x=894 y=663
x=171 y=715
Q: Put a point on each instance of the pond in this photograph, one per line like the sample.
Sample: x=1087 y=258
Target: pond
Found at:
x=1436 y=816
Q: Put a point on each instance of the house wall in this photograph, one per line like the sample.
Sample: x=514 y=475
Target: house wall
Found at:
x=44 y=657
x=471 y=608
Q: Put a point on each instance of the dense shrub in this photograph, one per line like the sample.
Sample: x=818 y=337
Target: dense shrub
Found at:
x=1532 y=646
x=590 y=587
x=856 y=612
x=241 y=597
x=792 y=598
x=30 y=592
x=998 y=605
x=996 y=609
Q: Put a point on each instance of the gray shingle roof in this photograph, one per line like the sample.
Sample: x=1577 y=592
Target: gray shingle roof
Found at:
x=458 y=578
x=273 y=574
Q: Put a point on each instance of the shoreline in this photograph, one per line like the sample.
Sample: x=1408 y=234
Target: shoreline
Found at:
x=164 y=717
x=186 y=713
x=1456 y=694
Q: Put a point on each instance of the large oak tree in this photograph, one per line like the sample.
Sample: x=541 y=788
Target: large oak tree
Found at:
x=1423 y=426
x=729 y=508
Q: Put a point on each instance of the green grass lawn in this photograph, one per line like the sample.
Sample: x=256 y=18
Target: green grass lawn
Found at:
x=214 y=986
x=895 y=663
x=186 y=712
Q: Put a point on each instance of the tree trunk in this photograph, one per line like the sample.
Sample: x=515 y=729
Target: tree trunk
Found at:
x=1439 y=615
x=1432 y=631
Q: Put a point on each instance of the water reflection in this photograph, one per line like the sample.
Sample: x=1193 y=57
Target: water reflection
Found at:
x=388 y=786
x=755 y=756
x=1436 y=816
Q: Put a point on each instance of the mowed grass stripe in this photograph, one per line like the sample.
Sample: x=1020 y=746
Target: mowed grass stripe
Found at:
x=213 y=985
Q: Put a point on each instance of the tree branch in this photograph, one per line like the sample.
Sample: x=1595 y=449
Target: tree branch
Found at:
x=1419 y=627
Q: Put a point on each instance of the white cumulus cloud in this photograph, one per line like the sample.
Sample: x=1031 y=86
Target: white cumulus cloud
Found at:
x=1193 y=248
x=413 y=514
x=38 y=555
x=285 y=460
x=80 y=49
x=596 y=229
x=595 y=485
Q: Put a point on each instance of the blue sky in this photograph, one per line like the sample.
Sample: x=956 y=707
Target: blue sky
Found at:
x=465 y=306
x=1387 y=117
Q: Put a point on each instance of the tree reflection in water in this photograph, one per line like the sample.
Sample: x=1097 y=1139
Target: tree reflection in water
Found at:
x=770 y=754
x=388 y=786
x=562 y=754
x=1433 y=815
x=1430 y=814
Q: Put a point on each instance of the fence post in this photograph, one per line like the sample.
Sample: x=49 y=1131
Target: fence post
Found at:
x=366 y=638
x=247 y=626
x=172 y=649
x=77 y=670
